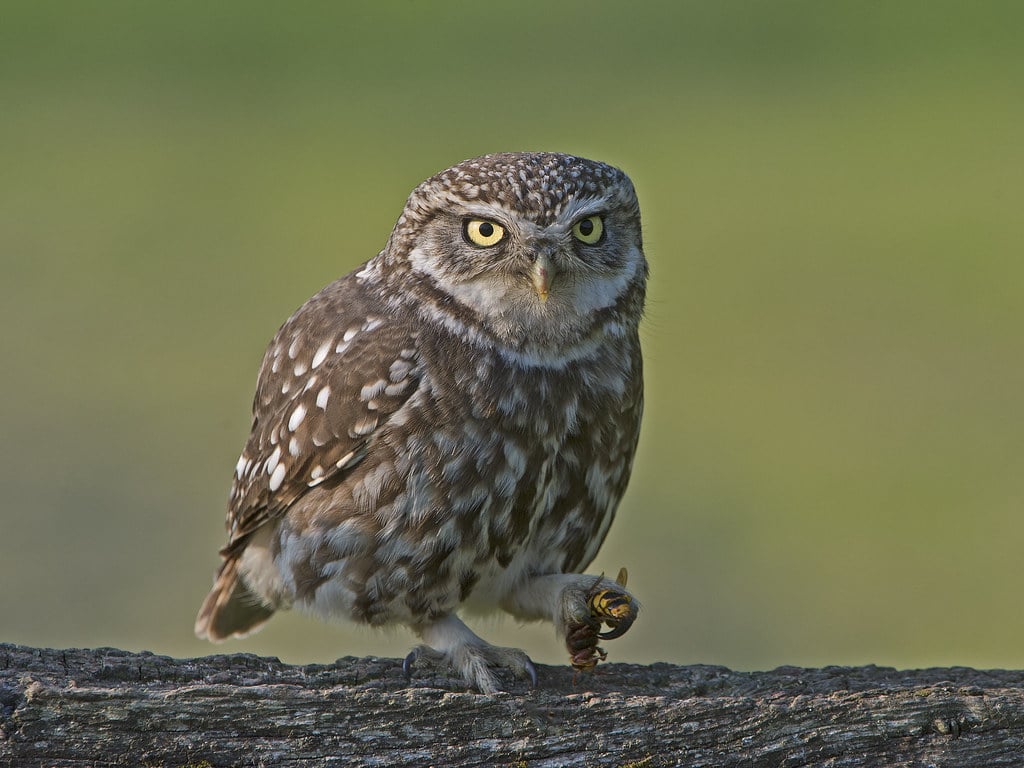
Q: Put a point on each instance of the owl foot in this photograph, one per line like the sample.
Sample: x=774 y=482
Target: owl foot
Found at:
x=451 y=642
x=579 y=605
x=606 y=604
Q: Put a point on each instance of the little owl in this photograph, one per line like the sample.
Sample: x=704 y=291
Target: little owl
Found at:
x=452 y=425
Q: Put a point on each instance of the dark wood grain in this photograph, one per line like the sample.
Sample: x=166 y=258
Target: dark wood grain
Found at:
x=107 y=707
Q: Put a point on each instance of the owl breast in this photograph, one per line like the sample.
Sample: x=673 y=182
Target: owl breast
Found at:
x=497 y=468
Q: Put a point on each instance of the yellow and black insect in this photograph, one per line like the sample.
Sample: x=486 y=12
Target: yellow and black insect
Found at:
x=614 y=608
x=607 y=606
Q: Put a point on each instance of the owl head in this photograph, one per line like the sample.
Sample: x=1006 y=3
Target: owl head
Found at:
x=534 y=250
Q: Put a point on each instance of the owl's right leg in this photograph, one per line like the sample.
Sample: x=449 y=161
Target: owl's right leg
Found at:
x=449 y=640
x=578 y=604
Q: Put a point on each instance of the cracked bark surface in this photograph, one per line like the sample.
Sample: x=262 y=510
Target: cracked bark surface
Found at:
x=108 y=707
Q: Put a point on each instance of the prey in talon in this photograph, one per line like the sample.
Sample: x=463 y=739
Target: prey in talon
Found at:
x=606 y=605
x=449 y=428
x=615 y=608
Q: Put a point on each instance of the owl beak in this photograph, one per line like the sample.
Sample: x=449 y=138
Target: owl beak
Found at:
x=542 y=274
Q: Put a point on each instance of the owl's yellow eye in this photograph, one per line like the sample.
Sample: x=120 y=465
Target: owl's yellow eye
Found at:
x=588 y=230
x=483 y=232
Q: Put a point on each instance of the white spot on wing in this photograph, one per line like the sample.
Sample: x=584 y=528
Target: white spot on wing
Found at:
x=272 y=461
x=297 y=416
x=364 y=426
x=349 y=334
x=293 y=447
x=399 y=370
x=371 y=391
x=278 y=477
x=321 y=354
x=322 y=397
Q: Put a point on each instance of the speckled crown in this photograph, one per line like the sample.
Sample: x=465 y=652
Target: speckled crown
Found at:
x=537 y=183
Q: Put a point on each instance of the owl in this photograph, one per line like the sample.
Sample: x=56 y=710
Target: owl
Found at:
x=449 y=428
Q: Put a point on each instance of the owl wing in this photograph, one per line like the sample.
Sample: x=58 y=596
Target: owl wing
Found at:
x=332 y=376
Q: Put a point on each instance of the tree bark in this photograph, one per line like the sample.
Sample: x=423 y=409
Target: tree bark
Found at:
x=107 y=707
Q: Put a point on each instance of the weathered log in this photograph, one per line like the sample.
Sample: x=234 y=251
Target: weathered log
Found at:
x=110 y=707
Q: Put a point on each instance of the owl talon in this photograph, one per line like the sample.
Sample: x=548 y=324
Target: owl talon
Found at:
x=618 y=629
x=531 y=671
x=589 y=606
x=407 y=665
x=424 y=652
x=452 y=646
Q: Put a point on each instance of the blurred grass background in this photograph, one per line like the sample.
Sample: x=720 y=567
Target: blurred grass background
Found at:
x=832 y=468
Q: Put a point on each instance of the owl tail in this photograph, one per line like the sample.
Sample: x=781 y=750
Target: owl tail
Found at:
x=230 y=610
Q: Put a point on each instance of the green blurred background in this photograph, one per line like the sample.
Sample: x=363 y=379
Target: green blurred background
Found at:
x=832 y=467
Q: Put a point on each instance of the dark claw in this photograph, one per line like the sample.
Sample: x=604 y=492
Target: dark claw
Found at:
x=407 y=665
x=532 y=672
x=620 y=628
